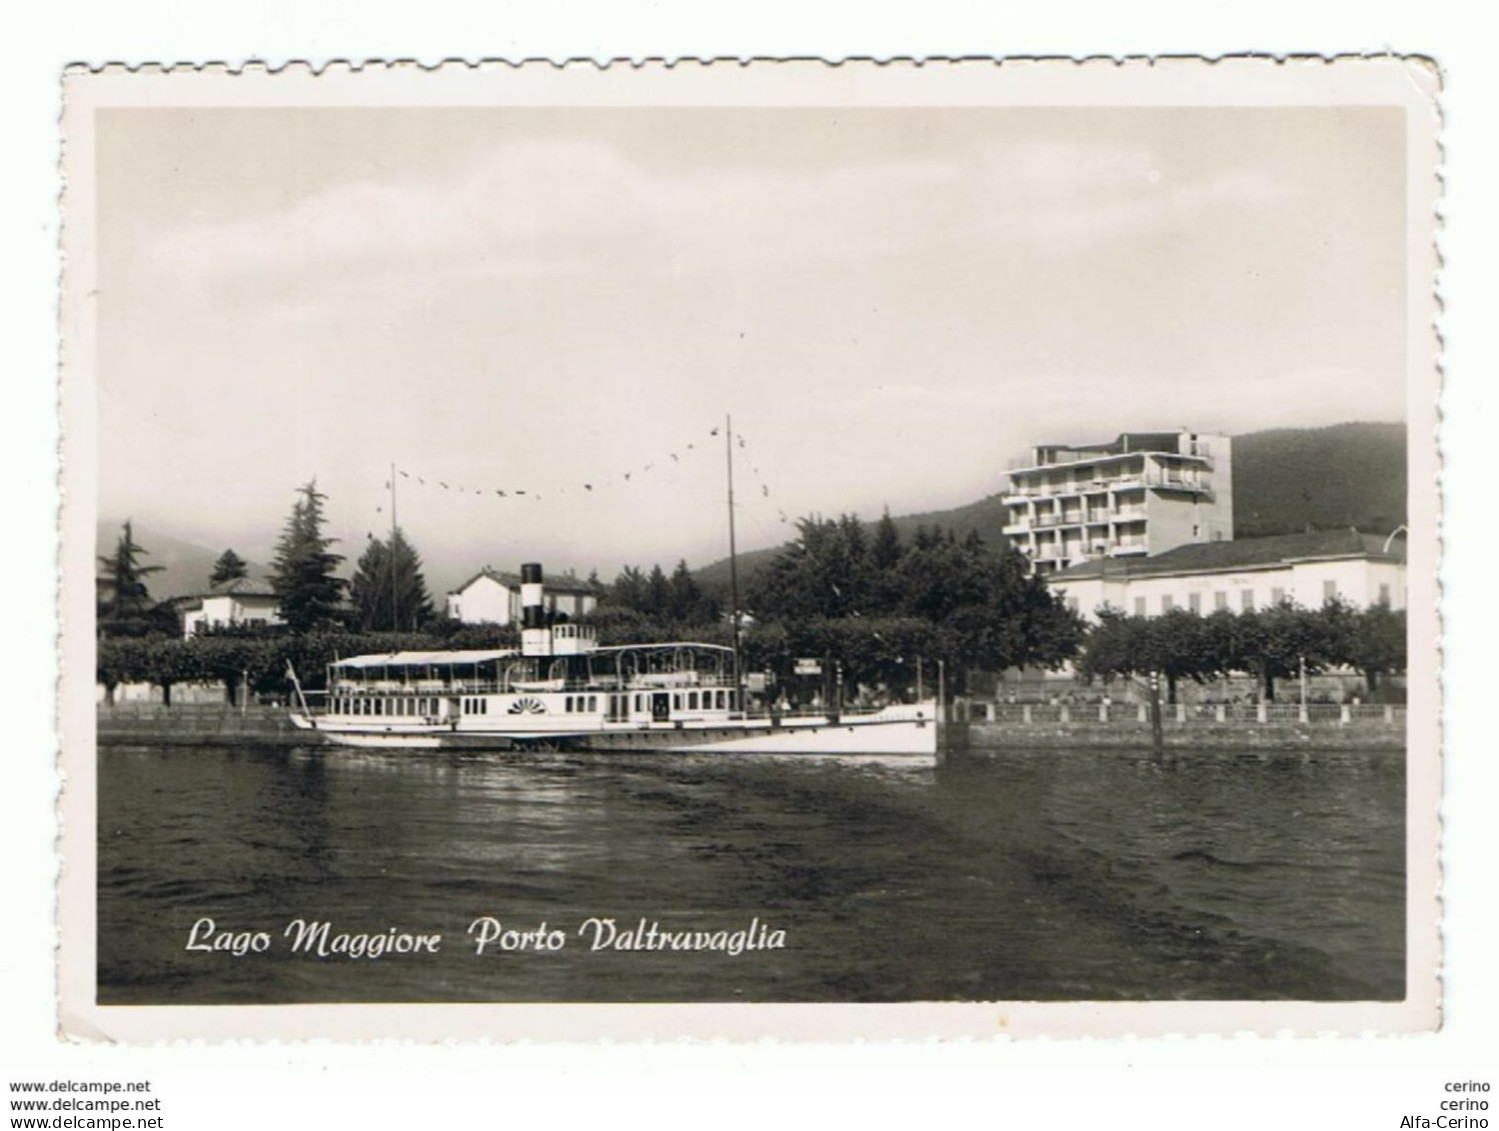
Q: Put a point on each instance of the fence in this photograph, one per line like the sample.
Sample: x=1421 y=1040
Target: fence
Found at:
x=196 y=724
x=1183 y=714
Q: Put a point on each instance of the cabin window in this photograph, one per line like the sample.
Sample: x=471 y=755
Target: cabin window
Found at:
x=567 y=704
x=1384 y=594
x=593 y=702
x=638 y=707
x=692 y=700
x=721 y=697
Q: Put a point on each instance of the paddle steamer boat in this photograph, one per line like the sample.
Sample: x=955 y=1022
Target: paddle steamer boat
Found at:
x=561 y=690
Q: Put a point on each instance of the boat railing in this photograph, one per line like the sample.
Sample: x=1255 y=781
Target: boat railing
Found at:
x=662 y=681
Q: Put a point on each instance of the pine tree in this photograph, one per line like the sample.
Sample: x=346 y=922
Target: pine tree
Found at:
x=885 y=552
x=628 y=590
x=122 y=593
x=388 y=590
x=303 y=569
x=687 y=604
x=229 y=567
x=657 y=602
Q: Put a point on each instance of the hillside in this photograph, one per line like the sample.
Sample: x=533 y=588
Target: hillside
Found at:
x=1286 y=480
x=185 y=565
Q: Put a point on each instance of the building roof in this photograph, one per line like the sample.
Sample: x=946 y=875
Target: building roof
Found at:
x=242 y=587
x=559 y=583
x=234 y=587
x=1245 y=553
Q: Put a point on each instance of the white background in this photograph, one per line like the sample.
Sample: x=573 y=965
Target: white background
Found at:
x=1242 y=1082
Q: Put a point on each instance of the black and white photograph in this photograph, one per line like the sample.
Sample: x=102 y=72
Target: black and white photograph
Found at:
x=962 y=542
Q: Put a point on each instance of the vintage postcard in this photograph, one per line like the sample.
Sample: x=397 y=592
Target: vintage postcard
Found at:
x=743 y=551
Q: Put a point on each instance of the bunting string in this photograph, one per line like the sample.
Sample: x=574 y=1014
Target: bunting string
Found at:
x=622 y=478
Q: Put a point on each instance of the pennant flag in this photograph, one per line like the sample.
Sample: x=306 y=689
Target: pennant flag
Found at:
x=627 y=477
x=441 y=484
x=588 y=486
x=501 y=494
x=520 y=492
x=714 y=432
x=691 y=446
x=405 y=476
x=674 y=458
x=765 y=491
x=420 y=480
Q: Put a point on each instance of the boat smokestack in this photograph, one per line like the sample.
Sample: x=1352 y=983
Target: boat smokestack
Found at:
x=536 y=638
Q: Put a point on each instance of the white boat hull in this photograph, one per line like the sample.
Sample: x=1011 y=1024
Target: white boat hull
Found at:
x=896 y=730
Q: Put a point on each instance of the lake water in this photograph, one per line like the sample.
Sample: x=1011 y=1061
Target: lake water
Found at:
x=1027 y=875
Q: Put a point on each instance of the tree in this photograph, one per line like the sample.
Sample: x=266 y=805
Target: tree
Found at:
x=657 y=597
x=123 y=601
x=1376 y=645
x=686 y=602
x=388 y=590
x=885 y=551
x=303 y=569
x=229 y=567
x=824 y=572
x=1177 y=644
x=840 y=596
x=628 y=590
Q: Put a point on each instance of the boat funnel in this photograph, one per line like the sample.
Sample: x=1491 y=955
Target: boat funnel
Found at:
x=535 y=636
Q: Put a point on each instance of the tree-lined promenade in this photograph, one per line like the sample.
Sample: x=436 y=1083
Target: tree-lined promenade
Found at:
x=879 y=610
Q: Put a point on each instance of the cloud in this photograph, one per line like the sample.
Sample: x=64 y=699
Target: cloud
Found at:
x=535 y=209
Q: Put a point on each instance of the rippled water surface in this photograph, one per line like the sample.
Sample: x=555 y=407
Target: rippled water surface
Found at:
x=1028 y=875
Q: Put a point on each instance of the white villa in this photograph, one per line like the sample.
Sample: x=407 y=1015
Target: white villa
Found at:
x=493 y=597
x=239 y=601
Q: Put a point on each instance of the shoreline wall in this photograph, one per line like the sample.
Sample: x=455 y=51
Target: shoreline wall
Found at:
x=1240 y=736
x=266 y=726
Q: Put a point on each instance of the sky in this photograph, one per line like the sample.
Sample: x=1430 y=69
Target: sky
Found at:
x=892 y=304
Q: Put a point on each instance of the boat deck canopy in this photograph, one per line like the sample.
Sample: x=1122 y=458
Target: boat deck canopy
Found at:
x=426 y=659
x=668 y=646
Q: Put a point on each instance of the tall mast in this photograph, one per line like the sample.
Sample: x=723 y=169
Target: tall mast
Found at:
x=395 y=621
x=733 y=564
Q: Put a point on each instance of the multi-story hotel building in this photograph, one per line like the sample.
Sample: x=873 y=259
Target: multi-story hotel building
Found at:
x=1143 y=493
